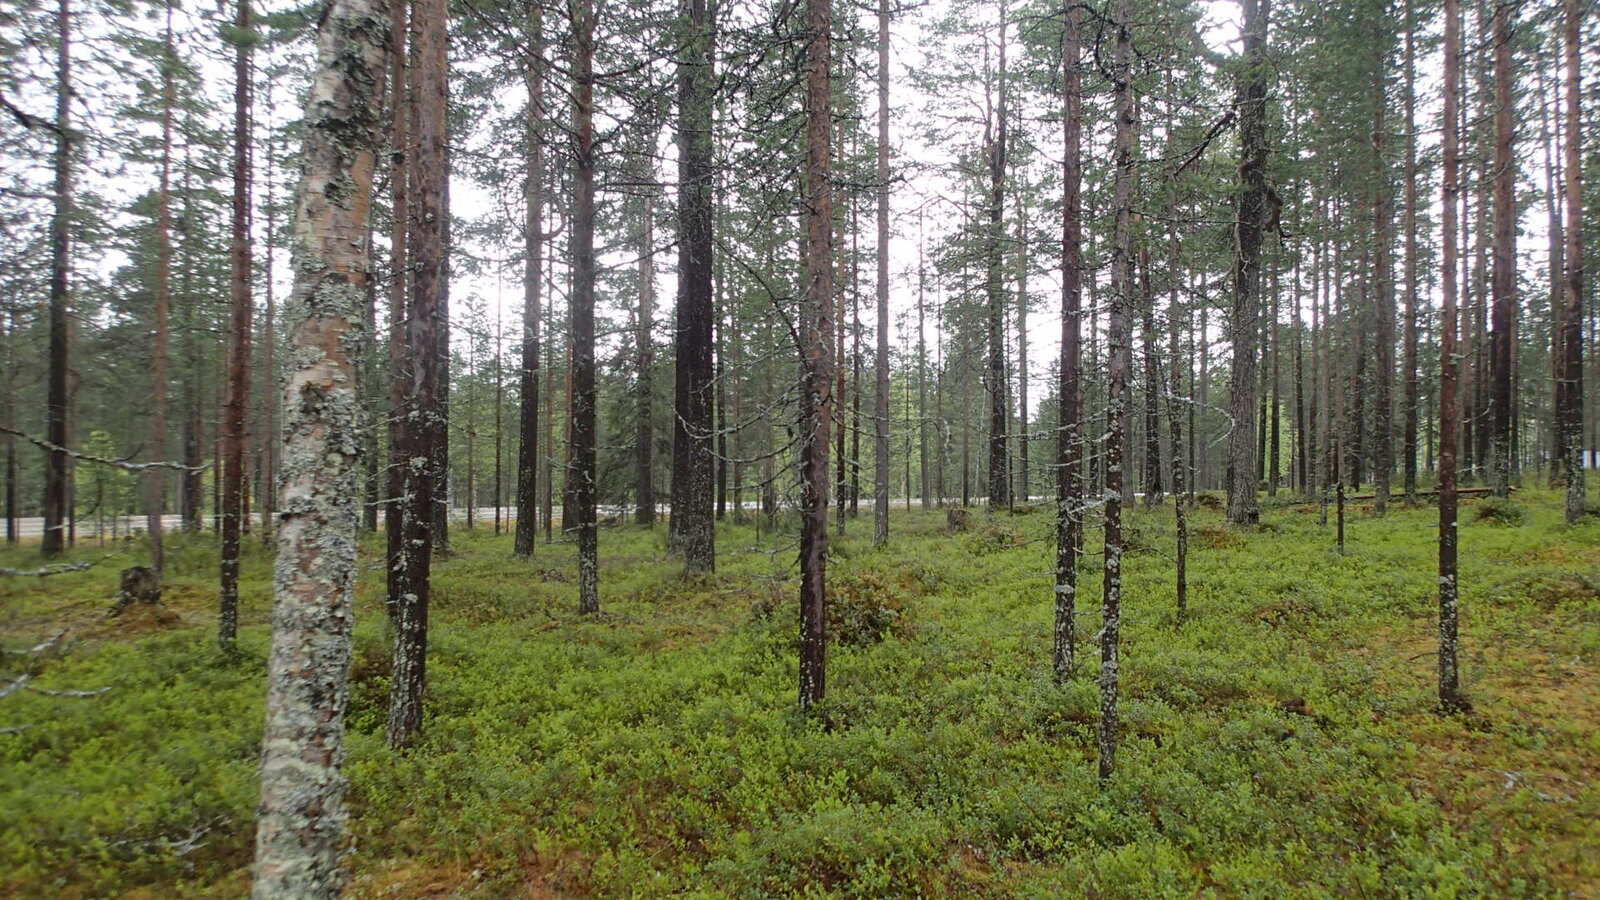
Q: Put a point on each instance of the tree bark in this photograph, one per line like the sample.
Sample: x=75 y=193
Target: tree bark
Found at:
x=999 y=457
x=424 y=422
x=1450 y=698
x=644 y=347
x=239 y=328
x=300 y=820
x=1119 y=362
x=1504 y=284
x=1151 y=477
x=1175 y=421
x=155 y=481
x=1571 y=324
x=581 y=473
x=880 y=408
x=57 y=404
x=1069 y=433
x=532 y=282
x=1412 y=386
x=1252 y=212
x=816 y=369
x=693 y=466
x=1383 y=289
x=400 y=275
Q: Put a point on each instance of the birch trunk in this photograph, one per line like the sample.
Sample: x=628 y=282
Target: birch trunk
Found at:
x=300 y=820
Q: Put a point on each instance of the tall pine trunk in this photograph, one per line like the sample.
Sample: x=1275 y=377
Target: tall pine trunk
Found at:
x=999 y=456
x=816 y=354
x=1383 y=289
x=239 y=329
x=1450 y=698
x=644 y=346
x=1119 y=362
x=1252 y=211
x=1412 y=386
x=880 y=407
x=400 y=167
x=532 y=283
x=1504 y=276
x=57 y=403
x=1571 y=415
x=693 y=467
x=1069 y=432
x=581 y=473
x=155 y=484
x=424 y=421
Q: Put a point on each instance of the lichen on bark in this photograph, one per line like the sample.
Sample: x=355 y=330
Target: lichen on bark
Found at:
x=301 y=816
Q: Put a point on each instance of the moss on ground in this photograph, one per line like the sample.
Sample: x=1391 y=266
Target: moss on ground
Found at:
x=1280 y=743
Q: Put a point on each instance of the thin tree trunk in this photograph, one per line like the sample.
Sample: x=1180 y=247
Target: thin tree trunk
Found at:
x=1069 y=432
x=400 y=275
x=581 y=474
x=1558 y=288
x=269 y=342
x=880 y=484
x=300 y=819
x=1412 y=385
x=1383 y=275
x=155 y=483
x=1175 y=421
x=816 y=370
x=532 y=281
x=239 y=306
x=999 y=457
x=644 y=348
x=1571 y=416
x=57 y=405
x=424 y=420
x=1022 y=352
x=922 y=370
x=1450 y=698
x=1152 y=384
x=1504 y=284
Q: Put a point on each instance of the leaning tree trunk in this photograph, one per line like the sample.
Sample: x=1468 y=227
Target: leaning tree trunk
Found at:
x=300 y=820
x=1252 y=212
x=239 y=312
x=816 y=356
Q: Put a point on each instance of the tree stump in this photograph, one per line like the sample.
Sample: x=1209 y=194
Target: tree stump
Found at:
x=955 y=519
x=139 y=584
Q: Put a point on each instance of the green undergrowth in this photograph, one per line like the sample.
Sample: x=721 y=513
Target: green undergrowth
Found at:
x=1279 y=742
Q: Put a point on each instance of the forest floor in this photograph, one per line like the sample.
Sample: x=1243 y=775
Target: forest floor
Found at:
x=1281 y=742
